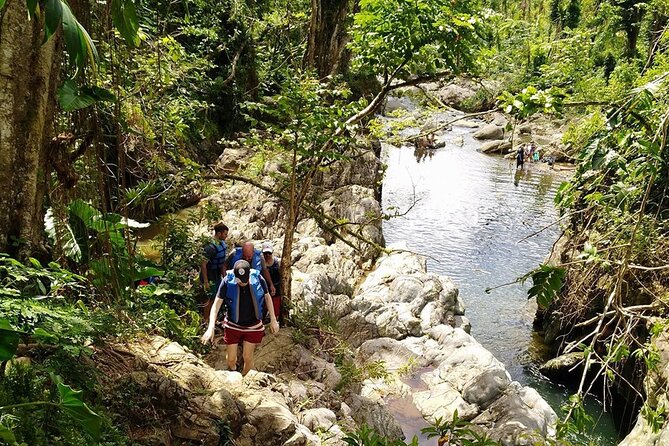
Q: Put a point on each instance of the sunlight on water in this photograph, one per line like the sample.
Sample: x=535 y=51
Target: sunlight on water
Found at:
x=473 y=215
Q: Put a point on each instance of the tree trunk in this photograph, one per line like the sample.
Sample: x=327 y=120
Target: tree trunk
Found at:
x=326 y=51
x=631 y=25
x=28 y=80
x=289 y=236
x=656 y=32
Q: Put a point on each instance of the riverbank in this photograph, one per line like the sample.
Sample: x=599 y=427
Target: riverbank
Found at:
x=483 y=224
x=362 y=324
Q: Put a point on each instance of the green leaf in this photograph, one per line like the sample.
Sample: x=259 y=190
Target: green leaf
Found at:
x=73 y=42
x=87 y=43
x=2 y=3
x=125 y=20
x=43 y=336
x=53 y=16
x=6 y=434
x=69 y=243
x=32 y=8
x=547 y=282
x=71 y=98
x=147 y=272
x=9 y=340
x=72 y=402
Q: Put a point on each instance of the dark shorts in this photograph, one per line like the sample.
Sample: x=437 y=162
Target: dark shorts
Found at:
x=210 y=294
x=234 y=334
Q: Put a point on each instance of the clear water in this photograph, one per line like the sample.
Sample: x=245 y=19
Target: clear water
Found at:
x=473 y=216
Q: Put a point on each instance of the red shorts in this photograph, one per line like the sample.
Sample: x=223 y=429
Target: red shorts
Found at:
x=234 y=334
x=276 y=301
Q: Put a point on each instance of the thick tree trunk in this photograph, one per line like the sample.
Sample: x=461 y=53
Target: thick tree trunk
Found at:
x=326 y=51
x=28 y=79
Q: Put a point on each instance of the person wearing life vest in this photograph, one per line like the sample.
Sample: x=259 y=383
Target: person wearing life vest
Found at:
x=245 y=294
x=274 y=266
x=212 y=267
x=248 y=252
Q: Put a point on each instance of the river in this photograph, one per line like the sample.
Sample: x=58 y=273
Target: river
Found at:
x=482 y=224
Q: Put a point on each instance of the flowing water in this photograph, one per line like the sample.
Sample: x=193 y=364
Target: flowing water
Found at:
x=482 y=224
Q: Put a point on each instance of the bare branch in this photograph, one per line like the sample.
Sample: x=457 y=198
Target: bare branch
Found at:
x=233 y=70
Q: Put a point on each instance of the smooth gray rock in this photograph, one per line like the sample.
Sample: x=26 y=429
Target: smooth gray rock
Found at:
x=498 y=146
x=375 y=415
x=319 y=418
x=563 y=368
x=489 y=131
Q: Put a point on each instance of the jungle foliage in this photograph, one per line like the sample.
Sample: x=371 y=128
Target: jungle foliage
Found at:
x=151 y=91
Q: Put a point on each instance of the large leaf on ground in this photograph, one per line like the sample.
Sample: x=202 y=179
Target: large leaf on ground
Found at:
x=547 y=282
x=72 y=402
x=9 y=340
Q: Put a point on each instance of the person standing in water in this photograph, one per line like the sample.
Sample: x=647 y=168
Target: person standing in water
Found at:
x=520 y=158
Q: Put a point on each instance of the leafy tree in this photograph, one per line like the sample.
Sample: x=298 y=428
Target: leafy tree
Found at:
x=572 y=14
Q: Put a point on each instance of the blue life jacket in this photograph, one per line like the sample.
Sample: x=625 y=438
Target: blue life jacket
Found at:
x=218 y=260
x=256 y=261
x=232 y=294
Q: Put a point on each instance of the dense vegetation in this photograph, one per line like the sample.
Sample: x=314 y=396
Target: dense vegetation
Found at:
x=115 y=110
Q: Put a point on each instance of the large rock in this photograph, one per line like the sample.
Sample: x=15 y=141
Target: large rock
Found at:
x=318 y=419
x=519 y=416
x=496 y=146
x=455 y=94
x=234 y=157
x=399 y=299
x=375 y=415
x=564 y=368
x=655 y=385
x=490 y=131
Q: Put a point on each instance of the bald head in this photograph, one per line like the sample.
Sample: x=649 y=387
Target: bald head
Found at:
x=247 y=251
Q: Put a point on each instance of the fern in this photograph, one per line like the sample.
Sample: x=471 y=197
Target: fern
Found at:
x=547 y=283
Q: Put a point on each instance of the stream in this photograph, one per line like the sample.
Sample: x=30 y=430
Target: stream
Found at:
x=475 y=218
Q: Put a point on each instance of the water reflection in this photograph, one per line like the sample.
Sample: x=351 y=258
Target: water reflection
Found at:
x=473 y=221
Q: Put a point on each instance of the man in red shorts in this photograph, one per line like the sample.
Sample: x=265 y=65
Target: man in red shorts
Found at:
x=245 y=293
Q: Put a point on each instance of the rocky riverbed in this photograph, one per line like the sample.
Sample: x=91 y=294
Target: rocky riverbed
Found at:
x=382 y=317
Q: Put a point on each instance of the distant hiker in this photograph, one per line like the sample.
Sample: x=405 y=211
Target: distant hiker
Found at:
x=532 y=147
x=273 y=265
x=520 y=158
x=254 y=257
x=212 y=267
x=528 y=151
x=536 y=156
x=245 y=294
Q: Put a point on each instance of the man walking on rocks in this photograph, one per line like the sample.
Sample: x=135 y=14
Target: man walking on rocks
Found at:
x=211 y=268
x=245 y=294
x=254 y=257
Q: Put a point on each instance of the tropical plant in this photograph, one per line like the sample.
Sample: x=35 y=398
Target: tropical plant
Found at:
x=70 y=401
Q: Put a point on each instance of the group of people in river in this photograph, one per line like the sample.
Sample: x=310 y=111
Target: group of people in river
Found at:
x=248 y=282
x=532 y=153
